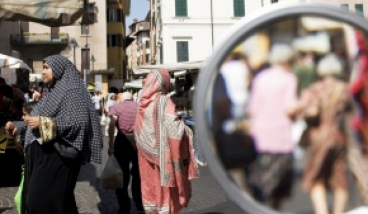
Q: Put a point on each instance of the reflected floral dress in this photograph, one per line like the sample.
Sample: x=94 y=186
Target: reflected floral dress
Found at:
x=326 y=160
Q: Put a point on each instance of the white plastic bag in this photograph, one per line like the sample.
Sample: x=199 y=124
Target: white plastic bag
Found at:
x=112 y=175
x=103 y=119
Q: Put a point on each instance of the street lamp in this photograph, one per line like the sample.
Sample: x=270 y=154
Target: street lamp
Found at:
x=93 y=60
x=74 y=44
x=86 y=58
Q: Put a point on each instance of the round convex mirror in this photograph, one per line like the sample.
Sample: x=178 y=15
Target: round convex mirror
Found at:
x=282 y=111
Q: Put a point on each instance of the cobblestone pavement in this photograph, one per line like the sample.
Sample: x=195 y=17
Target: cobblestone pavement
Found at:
x=92 y=199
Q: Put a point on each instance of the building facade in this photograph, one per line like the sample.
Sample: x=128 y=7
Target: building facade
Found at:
x=189 y=30
x=142 y=43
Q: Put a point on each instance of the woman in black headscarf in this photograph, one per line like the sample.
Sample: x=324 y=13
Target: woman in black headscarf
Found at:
x=61 y=133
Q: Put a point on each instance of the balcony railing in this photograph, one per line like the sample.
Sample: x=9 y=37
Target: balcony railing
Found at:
x=38 y=39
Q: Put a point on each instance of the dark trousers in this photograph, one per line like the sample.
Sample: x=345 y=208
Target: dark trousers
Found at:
x=125 y=152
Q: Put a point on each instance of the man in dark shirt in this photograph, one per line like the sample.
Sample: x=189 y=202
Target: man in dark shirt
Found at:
x=123 y=116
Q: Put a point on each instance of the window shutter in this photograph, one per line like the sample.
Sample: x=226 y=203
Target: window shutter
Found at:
x=359 y=9
x=182 y=51
x=181 y=8
x=119 y=15
x=239 y=8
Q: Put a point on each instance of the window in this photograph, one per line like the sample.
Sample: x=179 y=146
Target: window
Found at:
x=139 y=48
x=114 y=40
x=239 y=8
x=359 y=9
x=181 y=8
x=84 y=29
x=161 y=54
x=274 y=1
x=344 y=6
x=92 y=13
x=139 y=61
x=85 y=59
x=24 y=26
x=55 y=33
x=182 y=51
x=114 y=15
x=148 y=45
x=147 y=59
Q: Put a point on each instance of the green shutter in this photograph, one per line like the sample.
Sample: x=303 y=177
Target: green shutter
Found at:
x=359 y=9
x=181 y=8
x=344 y=6
x=239 y=8
x=182 y=51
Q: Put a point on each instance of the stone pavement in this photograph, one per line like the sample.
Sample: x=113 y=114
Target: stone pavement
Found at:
x=207 y=195
x=92 y=199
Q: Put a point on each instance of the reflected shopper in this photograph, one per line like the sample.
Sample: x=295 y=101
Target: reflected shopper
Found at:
x=272 y=100
x=325 y=103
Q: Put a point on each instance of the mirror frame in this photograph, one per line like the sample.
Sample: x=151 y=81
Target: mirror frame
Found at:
x=244 y=28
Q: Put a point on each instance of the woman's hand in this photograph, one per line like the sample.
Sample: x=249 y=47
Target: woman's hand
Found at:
x=10 y=128
x=32 y=122
x=111 y=150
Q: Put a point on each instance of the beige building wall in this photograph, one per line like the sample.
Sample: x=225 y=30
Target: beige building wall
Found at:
x=7 y=29
x=134 y=49
x=96 y=40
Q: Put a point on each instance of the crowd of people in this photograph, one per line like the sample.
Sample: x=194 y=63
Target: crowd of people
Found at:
x=291 y=86
x=62 y=131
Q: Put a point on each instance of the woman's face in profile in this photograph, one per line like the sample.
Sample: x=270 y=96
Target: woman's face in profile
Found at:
x=47 y=74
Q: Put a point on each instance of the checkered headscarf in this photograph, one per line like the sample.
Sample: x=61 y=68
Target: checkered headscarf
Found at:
x=68 y=103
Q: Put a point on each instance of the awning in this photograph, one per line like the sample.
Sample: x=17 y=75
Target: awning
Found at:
x=137 y=83
x=11 y=62
x=318 y=23
x=90 y=86
x=319 y=43
x=133 y=84
x=180 y=73
x=35 y=77
x=180 y=66
x=51 y=12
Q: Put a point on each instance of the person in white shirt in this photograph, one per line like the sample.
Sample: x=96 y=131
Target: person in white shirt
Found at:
x=98 y=102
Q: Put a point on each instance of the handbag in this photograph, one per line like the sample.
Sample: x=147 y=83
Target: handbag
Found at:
x=236 y=149
x=103 y=119
x=66 y=151
x=313 y=119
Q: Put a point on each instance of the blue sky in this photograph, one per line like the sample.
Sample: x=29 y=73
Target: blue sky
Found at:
x=138 y=10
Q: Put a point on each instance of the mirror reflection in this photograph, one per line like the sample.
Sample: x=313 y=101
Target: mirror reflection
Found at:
x=289 y=116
